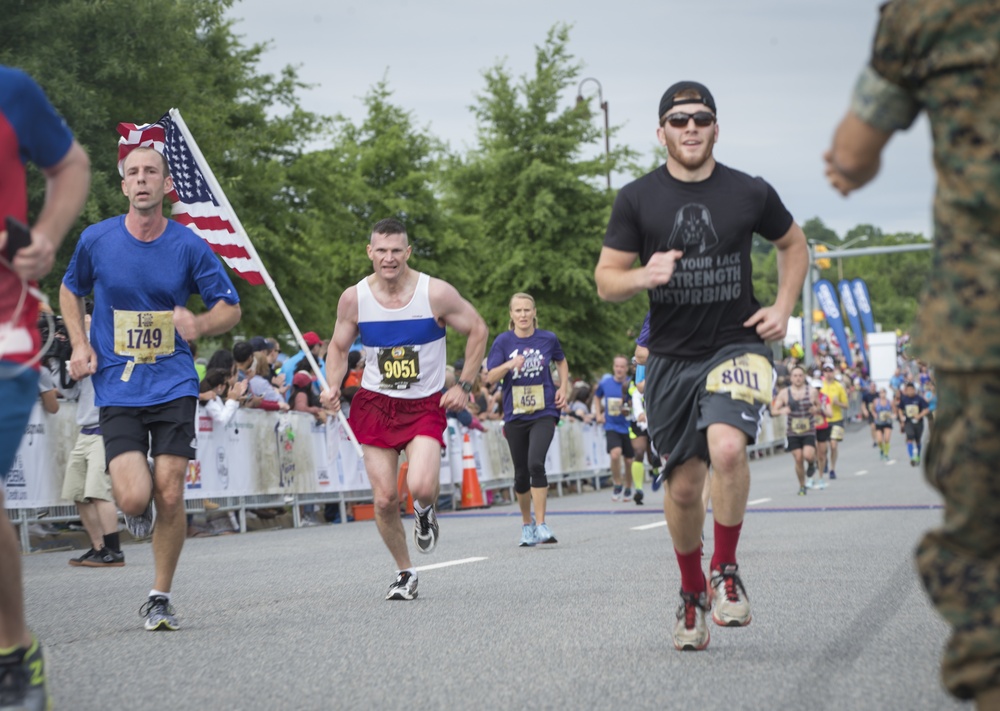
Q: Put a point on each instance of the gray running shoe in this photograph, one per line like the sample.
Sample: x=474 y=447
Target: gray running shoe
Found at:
x=528 y=535
x=159 y=614
x=691 y=631
x=730 y=605
x=404 y=587
x=425 y=530
x=23 y=681
x=141 y=526
x=544 y=534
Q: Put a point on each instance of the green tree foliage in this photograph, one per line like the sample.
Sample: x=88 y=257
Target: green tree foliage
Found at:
x=385 y=167
x=536 y=208
x=105 y=62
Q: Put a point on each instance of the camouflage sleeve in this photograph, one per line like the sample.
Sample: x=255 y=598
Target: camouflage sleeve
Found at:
x=880 y=103
x=881 y=97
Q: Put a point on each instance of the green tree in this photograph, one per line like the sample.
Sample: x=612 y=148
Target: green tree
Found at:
x=385 y=167
x=105 y=62
x=537 y=209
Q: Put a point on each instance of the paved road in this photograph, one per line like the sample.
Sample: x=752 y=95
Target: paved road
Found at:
x=295 y=619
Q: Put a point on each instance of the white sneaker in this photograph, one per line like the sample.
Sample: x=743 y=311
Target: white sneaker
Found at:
x=728 y=597
x=810 y=484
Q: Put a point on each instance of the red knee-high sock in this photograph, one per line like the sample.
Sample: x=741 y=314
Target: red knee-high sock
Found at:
x=726 y=539
x=692 y=576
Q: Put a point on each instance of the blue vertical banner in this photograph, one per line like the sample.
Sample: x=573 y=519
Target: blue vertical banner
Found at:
x=847 y=301
x=827 y=299
x=864 y=304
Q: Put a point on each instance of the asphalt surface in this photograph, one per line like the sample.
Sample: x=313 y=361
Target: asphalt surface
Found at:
x=295 y=619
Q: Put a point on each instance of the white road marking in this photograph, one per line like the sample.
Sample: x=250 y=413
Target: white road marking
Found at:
x=757 y=501
x=861 y=473
x=448 y=564
x=649 y=526
x=891 y=461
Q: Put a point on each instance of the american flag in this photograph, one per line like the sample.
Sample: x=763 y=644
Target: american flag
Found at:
x=194 y=203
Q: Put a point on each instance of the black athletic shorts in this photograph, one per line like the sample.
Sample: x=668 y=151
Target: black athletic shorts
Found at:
x=914 y=430
x=823 y=435
x=617 y=439
x=680 y=404
x=799 y=441
x=167 y=428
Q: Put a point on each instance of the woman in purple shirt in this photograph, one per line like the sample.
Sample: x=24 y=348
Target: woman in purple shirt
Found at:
x=520 y=360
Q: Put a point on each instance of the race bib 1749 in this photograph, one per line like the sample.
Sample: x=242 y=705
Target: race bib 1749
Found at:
x=144 y=335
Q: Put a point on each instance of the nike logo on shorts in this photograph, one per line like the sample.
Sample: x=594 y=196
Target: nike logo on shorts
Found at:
x=748 y=418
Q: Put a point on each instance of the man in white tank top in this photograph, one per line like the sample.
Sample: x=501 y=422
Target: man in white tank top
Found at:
x=401 y=315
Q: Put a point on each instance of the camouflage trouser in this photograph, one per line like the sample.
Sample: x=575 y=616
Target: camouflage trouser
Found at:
x=960 y=561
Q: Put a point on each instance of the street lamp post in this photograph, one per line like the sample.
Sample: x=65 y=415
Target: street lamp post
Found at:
x=604 y=107
x=840 y=261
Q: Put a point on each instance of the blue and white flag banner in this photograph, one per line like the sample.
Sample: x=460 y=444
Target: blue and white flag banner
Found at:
x=827 y=299
x=847 y=301
x=864 y=304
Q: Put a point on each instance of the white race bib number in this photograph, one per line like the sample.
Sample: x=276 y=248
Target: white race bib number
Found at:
x=144 y=335
x=747 y=378
x=527 y=398
x=614 y=406
x=800 y=425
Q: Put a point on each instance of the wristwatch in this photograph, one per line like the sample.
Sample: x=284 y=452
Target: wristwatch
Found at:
x=466 y=386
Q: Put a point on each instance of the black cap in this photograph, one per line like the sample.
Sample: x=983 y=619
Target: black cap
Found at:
x=668 y=101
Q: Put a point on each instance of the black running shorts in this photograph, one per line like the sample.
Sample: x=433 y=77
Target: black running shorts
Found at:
x=167 y=428
x=680 y=404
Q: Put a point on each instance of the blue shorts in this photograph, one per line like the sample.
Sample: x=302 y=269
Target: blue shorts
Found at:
x=18 y=393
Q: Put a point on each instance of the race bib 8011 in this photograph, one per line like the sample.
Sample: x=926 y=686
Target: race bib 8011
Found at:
x=748 y=377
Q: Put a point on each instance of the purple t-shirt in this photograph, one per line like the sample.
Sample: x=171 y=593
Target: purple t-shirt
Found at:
x=528 y=393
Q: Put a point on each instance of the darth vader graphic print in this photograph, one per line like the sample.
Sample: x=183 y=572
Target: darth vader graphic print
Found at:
x=693 y=228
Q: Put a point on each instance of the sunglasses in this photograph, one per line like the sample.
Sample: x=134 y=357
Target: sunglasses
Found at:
x=680 y=119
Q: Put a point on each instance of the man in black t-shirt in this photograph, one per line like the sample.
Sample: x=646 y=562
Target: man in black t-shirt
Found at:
x=912 y=410
x=709 y=374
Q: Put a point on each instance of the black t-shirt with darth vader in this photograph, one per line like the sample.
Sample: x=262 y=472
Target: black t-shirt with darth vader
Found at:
x=710 y=295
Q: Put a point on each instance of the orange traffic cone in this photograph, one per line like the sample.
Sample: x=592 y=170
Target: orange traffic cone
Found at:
x=404 y=490
x=472 y=493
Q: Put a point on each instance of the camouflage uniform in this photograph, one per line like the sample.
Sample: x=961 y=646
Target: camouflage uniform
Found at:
x=943 y=57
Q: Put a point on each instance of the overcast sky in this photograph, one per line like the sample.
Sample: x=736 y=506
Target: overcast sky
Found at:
x=781 y=72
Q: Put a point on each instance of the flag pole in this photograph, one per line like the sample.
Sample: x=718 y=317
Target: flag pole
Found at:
x=268 y=281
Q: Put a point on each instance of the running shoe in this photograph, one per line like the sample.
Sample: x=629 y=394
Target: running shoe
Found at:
x=833 y=475
x=810 y=484
x=810 y=470
x=425 y=530
x=404 y=587
x=691 y=632
x=22 y=679
x=730 y=605
x=802 y=491
x=544 y=534
x=141 y=526
x=159 y=614
x=105 y=558
x=821 y=484
x=627 y=495
x=528 y=535
x=639 y=496
x=657 y=478
x=916 y=460
x=80 y=560
x=616 y=494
